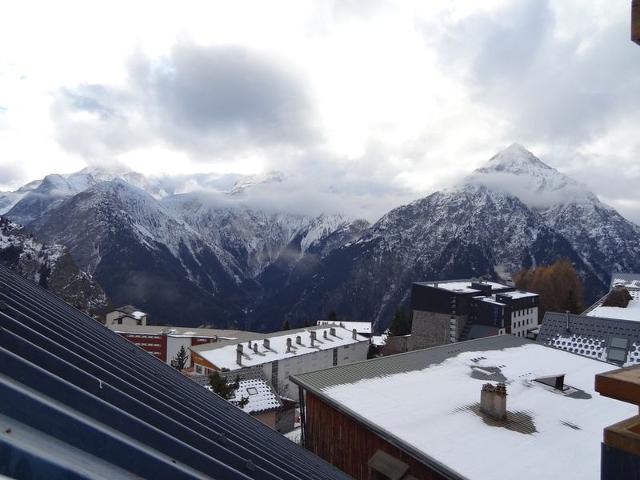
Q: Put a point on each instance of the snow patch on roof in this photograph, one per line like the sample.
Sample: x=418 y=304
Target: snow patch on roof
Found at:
x=432 y=410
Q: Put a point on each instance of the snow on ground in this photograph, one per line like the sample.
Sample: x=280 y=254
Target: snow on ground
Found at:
x=431 y=409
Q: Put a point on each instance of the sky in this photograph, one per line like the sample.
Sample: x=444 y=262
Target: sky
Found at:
x=362 y=103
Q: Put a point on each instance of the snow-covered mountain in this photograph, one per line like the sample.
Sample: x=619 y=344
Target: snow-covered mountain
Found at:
x=513 y=212
x=185 y=258
x=191 y=250
x=49 y=265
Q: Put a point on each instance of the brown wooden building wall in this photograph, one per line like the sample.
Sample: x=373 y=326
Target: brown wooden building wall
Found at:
x=349 y=445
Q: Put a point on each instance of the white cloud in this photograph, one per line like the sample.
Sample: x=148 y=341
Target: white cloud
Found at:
x=404 y=96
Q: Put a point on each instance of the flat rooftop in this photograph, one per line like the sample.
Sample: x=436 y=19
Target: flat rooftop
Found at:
x=427 y=401
x=223 y=355
x=361 y=327
x=461 y=286
x=630 y=312
x=183 y=331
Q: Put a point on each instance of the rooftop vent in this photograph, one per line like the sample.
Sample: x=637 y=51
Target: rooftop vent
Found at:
x=493 y=401
x=312 y=336
x=255 y=347
x=288 y=345
x=324 y=334
x=555 y=381
x=332 y=331
x=239 y=354
x=354 y=334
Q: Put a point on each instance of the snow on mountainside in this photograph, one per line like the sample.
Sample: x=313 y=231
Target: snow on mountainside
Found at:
x=516 y=171
x=513 y=212
x=208 y=255
x=603 y=238
x=145 y=245
x=49 y=265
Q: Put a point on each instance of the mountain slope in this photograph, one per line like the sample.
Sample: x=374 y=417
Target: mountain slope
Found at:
x=141 y=254
x=51 y=266
x=463 y=232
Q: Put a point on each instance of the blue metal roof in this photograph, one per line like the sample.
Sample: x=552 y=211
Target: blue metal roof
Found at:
x=79 y=401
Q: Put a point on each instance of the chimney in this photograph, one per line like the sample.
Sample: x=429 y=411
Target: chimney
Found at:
x=493 y=401
x=298 y=339
x=332 y=331
x=324 y=334
x=255 y=347
x=313 y=338
x=267 y=344
x=288 y=345
x=239 y=354
x=354 y=334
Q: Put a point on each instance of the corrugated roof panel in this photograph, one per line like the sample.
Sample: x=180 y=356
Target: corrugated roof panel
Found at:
x=72 y=379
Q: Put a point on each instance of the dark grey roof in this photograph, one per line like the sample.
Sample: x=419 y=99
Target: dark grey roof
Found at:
x=402 y=362
x=80 y=401
x=589 y=336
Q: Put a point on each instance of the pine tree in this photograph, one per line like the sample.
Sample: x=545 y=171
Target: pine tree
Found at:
x=226 y=390
x=400 y=325
x=179 y=362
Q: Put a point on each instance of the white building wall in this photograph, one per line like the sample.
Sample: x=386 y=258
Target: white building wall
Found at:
x=173 y=346
x=523 y=321
x=310 y=362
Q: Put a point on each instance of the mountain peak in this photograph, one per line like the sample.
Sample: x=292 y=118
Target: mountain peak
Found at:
x=514 y=159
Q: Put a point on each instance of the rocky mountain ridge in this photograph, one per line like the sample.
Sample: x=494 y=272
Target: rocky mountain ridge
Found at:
x=191 y=254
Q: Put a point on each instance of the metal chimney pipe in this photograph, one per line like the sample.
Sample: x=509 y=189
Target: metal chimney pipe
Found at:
x=288 y=345
x=354 y=334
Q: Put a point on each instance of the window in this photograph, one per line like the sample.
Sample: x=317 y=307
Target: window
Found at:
x=199 y=369
x=274 y=373
x=335 y=357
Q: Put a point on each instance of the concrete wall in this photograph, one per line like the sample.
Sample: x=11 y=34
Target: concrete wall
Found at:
x=313 y=361
x=430 y=329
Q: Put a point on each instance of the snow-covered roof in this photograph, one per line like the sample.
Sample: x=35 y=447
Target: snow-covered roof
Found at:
x=361 y=327
x=630 y=312
x=462 y=286
x=224 y=355
x=593 y=337
x=491 y=299
x=220 y=334
x=629 y=280
x=428 y=400
x=132 y=311
x=518 y=294
x=261 y=396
